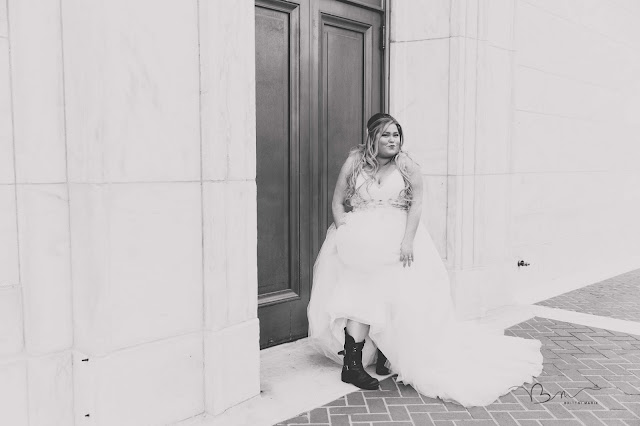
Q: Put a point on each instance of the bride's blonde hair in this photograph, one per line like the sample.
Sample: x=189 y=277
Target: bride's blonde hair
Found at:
x=365 y=158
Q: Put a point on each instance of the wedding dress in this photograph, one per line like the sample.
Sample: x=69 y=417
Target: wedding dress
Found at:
x=358 y=275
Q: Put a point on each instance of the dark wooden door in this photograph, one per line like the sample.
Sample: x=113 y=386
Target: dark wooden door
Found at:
x=319 y=75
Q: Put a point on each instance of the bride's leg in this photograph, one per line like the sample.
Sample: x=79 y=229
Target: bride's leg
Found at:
x=357 y=330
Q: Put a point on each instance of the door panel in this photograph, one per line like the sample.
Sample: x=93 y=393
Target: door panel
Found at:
x=281 y=50
x=318 y=78
x=277 y=56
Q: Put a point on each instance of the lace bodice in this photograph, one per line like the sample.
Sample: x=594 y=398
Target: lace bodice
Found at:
x=371 y=194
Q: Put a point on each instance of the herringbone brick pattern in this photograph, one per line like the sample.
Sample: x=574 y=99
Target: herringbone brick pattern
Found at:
x=575 y=357
x=617 y=297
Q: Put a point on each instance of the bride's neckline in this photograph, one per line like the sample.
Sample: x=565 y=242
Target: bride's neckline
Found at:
x=384 y=178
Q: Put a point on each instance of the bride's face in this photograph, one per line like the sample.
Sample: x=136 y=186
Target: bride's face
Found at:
x=389 y=142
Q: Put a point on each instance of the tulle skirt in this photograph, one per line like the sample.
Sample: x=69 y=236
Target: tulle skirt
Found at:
x=358 y=275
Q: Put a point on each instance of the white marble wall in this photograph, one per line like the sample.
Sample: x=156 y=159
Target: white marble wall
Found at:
x=127 y=211
x=36 y=334
x=525 y=114
x=232 y=351
x=575 y=193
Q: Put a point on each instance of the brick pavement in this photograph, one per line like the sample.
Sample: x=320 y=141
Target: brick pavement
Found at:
x=617 y=297
x=575 y=357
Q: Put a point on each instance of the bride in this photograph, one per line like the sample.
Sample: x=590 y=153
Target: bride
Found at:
x=381 y=292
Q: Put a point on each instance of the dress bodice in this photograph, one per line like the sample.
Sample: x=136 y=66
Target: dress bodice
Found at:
x=371 y=194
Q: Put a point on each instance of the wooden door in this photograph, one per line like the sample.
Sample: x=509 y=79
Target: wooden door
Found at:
x=319 y=75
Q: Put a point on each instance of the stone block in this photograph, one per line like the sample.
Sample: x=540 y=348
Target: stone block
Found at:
x=239 y=380
x=51 y=390
x=570 y=50
x=154 y=383
x=419 y=20
x=230 y=255
x=495 y=22
x=462 y=104
x=37 y=88
x=136 y=262
x=9 y=275
x=132 y=90
x=4 y=31
x=494 y=116
x=13 y=394
x=228 y=90
x=545 y=93
x=552 y=143
x=43 y=217
x=11 y=338
x=464 y=18
x=491 y=224
x=6 y=125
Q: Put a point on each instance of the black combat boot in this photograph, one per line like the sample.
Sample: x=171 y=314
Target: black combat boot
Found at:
x=381 y=369
x=352 y=370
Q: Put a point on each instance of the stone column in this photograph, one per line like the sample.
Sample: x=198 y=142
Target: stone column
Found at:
x=451 y=75
x=232 y=350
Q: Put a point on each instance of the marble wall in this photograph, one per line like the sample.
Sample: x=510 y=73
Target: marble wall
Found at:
x=128 y=277
x=574 y=154
x=523 y=115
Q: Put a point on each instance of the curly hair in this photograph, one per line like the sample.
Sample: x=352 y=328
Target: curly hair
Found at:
x=365 y=158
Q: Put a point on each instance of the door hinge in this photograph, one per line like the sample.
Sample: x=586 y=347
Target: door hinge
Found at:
x=383 y=36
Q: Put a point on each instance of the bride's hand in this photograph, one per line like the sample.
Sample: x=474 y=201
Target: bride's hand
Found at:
x=406 y=253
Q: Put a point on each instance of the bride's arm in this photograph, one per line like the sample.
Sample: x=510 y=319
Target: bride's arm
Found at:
x=340 y=192
x=414 y=213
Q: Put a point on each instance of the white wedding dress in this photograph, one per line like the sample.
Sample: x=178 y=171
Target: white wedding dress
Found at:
x=358 y=275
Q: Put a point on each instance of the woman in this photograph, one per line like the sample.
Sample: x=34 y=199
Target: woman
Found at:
x=381 y=292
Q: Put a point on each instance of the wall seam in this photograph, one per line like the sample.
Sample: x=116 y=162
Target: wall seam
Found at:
x=15 y=192
x=66 y=170
x=475 y=138
x=202 y=224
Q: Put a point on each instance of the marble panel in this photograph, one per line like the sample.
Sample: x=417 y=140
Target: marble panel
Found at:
x=551 y=143
x=221 y=349
x=150 y=384
x=460 y=216
x=532 y=192
x=495 y=22
x=6 y=125
x=494 y=116
x=43 y=218
x=420 y=100
x=38 y=98
x=228 y=90
x=9 y=273
x=491 y=219
x=4 y=31
x=51 y=390
x=132 y=90
x=568 y=49
x=464 y=18
x=547 y=226
x=419 y=20
x=230 y=257
x=13 y=394
x=136 y=262
x=611 y=19
x=11 y=337
x=542 y=92
x=434 y=211
x=463 y=72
